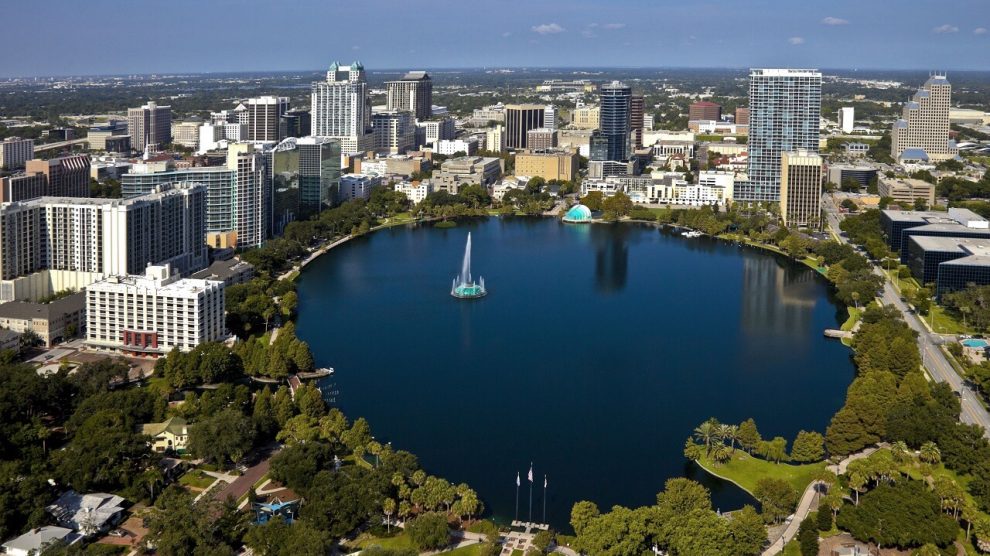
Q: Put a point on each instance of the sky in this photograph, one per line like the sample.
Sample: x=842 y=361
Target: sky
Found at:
x=87 y=37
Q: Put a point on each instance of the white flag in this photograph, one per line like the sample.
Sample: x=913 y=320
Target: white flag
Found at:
x=517 y=479
x=531 y=472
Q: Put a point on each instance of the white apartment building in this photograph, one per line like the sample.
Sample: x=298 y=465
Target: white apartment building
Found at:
x=415 y=191
x=495 y=139
x=14 y=152
x=847 y=118
x=431 y=131
x=341 y=108
x=357 y=186
x=152 y=314
x=50 y=244
x=467 y=146
x=252 y=193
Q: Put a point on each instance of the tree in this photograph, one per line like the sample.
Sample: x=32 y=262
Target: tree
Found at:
x=429 y=531
x=707 y=433
x=616 y=206
x=777 y=497
x=748 y=532
x=223 y=438
x=904 y=514
x=808 y=447
x=824 y=518
x=389 y=506
x=808 y=536
x=593 y=200
x=930 y=453
x=749 y=437
x=582 y=513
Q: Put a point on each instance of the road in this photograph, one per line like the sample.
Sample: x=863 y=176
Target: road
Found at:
x=934 y=360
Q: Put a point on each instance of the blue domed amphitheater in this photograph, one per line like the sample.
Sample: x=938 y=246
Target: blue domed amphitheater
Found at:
x=578 y=214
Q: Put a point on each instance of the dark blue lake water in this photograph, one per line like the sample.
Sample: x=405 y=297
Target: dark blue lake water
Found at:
x=596 y=352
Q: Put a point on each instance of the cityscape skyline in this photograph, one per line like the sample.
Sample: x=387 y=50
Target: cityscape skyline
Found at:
x=635 y=33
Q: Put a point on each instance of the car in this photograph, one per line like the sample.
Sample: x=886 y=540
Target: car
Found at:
x=49 y=356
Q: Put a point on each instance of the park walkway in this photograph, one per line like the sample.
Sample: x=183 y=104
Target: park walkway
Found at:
x=807 y=500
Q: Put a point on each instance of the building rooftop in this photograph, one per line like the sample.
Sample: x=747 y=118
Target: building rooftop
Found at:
x=913 y=154
x=25 y=310
x=86 y=513
x=784 y=72
x=35 y=540
x=175 y=425
x=158 y=278
x=955 y=216
x=968 y=245
x=223 y=270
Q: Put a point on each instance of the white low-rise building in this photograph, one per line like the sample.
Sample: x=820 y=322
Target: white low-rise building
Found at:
x=448 y=147
x=357 y=186
x=154 y=313
x=415 y=191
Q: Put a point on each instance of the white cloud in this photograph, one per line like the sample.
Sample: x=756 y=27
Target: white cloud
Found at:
x=507 y=34
x=614 y=25
x=946 y=29
x=980 y=31
x=548 y=29
x=796 y=40
x=835 y=21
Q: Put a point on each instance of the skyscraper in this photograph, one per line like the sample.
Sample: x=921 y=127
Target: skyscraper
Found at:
x=705 y=110
x=395 y=132
x=341 y=108
x=295 y=123
x=615 y=120
x=801 y=189
x=263 y=116
x=305 y=179
x=252 y=194
x=924 y=123
x=65 y=176
x=847 y=118
x=784 y=113
x=519 y=119
x=636 y=115
x=413 y=93
x=149 y=125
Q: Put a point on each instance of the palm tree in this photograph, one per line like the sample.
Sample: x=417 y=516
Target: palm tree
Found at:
x=729 y=433
x=857 y=483
x=855 y=298
x=720 y=453
x=900 y=451
x=930 y=453
x=389 y=507
x=965 y=311
x=707 y=433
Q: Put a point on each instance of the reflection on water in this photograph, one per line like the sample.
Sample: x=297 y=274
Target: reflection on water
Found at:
x=611 y=257
x=777 y=299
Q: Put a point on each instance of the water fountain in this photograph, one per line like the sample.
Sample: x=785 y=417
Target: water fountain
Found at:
x=463 y=286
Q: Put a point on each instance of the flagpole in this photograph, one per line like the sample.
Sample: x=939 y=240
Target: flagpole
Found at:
x=517 y=497
x=531 y=492
x=544 y=499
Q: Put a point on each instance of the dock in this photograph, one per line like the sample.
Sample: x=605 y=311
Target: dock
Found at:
x=318 y=373
x=838 y=334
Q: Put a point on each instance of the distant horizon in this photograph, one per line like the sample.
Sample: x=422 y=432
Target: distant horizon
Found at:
x=374 y=70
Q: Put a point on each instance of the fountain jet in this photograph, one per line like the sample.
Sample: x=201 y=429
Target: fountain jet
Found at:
x=463 y=286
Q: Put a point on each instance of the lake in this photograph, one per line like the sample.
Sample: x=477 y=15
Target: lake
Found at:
x=596 y=352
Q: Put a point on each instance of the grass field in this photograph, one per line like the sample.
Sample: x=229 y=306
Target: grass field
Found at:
x=792 y=549
x=401 y=540
x=854 y=315
x=745 y=470
x=939 y=320
x=197 y=479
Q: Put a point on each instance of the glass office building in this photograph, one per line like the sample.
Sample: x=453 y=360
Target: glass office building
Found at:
x=306 y=179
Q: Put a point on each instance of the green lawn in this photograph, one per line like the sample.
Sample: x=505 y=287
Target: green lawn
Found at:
x=745 y=470
x=196 y=478
x=470 y=550
x=939 y=320
x=401 y=540
x=792 y=549
x=854 y=315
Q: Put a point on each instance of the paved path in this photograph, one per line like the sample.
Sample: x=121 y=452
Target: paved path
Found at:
x=807 y=499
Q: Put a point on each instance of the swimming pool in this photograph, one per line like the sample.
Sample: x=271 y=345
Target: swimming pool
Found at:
x=974 y=343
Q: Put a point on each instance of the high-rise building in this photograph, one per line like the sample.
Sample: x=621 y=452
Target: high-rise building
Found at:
x=784 y=115
x=742 y=115
x=252 y=194
x=549 y=165
x=637 y=107
x=550 y=116
x=295 y=123
x=541 y=138
x=801 y=189
x=149 y=126
x=341 y=108
x=519 y=119
x=431 y=131
x=413 y=93
x=154 y=311
x=847 y=118
x=263 y=117
x=586 y=117
x=615 y=120
x=395 y=132
x=705 y=110
x=72 y=242
x=495 y=139
x=305 y=179
x=14 y=152
x=185 y=134
x=924 y=123
x=65 y=176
